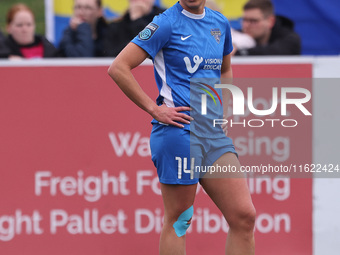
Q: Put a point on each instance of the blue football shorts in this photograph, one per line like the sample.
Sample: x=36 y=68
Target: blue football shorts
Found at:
x=176 y=153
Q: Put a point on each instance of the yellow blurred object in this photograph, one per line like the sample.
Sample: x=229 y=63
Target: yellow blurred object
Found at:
x=168 y=3
x=117 y=6
x=63 y=7
x=230 y=8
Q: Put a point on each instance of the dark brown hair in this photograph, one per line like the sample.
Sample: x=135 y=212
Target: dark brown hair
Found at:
x=265 y=6
x=98 y=2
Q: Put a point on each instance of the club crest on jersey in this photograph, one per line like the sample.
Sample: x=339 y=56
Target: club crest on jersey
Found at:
x=148 y=31
x=216 y=33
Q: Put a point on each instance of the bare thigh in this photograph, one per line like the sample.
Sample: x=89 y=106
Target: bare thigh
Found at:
x=176 y=199
x=230 y=192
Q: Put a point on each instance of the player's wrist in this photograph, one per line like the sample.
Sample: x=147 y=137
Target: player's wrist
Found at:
x=152 y=109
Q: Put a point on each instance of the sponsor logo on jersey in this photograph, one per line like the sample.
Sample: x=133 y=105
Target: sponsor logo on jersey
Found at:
x=148 y=31
x=216 y=33
x=209 y=64
x=212 y=64
x=197 y=60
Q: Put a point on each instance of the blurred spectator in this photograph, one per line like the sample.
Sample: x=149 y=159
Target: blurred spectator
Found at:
x=84 y=36
x=240 y=40
x=4 y=51
x=274 y=35
x=2 y=38
x=121 y=31
x=22 y=42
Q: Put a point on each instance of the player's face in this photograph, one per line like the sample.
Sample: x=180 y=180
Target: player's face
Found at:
x=193 y=6
x=87 y=10
x=256 y=24
x=22 y=27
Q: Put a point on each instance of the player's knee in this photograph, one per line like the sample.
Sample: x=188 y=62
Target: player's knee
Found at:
x=183 y=222
x=244 y=219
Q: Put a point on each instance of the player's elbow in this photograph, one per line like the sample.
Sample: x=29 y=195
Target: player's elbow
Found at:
x=113 y=70
x=119 y=69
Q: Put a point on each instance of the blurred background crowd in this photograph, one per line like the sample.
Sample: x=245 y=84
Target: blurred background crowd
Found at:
x=265 y=27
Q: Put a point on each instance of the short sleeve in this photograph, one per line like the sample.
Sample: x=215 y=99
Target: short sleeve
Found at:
x=154 y=36
x=228 y=44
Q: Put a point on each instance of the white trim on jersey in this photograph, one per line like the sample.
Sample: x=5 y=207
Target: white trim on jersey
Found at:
x=193 y=16
x=166 y=91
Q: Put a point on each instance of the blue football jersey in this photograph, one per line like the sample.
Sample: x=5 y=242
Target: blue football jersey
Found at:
x=187 y=50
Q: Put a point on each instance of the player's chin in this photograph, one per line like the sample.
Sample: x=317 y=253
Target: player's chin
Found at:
x=194 y=3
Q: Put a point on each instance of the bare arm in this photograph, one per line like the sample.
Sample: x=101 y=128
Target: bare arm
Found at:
x=226 y=78
x=120 y=71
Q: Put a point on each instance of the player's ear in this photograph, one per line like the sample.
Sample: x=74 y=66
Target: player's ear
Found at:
x=272 y=20
x=100 y=12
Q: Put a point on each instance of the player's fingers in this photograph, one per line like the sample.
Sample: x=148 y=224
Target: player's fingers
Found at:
x=176 y=124
x=182 y=108
x=184 y=116
x=181 y=120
